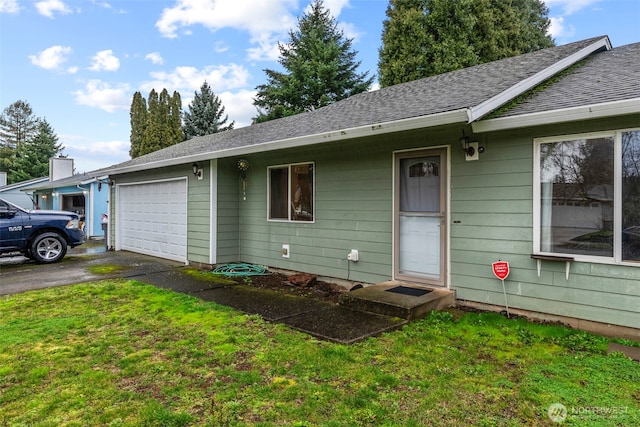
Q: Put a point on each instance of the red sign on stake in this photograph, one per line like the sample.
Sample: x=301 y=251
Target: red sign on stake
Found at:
x=501 y=269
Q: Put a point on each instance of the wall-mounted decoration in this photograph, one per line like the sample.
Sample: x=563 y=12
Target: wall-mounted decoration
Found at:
x=243 y=167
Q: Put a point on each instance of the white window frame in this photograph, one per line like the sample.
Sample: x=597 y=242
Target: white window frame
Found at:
x=289 y=166
x=617 y=198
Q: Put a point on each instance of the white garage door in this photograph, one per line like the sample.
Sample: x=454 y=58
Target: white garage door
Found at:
x=152 y=219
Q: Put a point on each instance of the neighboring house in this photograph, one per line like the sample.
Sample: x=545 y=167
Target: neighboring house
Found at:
x=86 y=194
x=15 y=193
x=423 y=183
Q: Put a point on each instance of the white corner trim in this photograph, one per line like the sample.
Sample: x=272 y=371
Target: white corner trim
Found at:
x=522 y=86
x=586 y=112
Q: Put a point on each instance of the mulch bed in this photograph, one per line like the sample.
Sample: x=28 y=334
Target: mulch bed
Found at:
x=307 y=286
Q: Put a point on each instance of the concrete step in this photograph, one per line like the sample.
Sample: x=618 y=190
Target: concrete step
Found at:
x=398 y=299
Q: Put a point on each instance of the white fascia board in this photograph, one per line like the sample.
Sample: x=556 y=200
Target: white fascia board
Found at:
x=439 y=119
x=518 y=89
x=90 y=180
x=586 y=112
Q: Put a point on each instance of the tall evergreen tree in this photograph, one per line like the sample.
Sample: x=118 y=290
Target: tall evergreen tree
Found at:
x=32 y=157
x=205 y=115
x=138 y=120
x=175 y=118
x=422 y=38
x=320 y=68
x=153 y=130
x=17 y=124
x=155 y=125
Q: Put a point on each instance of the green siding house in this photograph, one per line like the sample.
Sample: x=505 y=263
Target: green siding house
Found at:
x=533 y=160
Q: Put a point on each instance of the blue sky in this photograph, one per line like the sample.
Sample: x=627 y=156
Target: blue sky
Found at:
x=78 y=62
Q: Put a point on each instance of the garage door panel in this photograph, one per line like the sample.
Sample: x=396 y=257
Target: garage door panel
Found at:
x=153 y=218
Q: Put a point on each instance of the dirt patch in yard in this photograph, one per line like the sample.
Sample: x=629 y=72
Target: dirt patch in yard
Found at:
x=295 y=285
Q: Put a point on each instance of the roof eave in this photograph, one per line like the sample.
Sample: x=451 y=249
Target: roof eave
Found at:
x=439 y=119
x=585 y=112
x=493 y=103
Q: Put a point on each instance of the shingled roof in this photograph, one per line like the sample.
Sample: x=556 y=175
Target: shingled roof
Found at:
x=601 y=85
x=461 y=96
x=606 y=77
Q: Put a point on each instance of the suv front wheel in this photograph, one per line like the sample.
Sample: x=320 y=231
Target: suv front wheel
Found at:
x=48 y=248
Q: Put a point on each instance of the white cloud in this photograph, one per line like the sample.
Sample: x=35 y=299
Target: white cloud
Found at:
x=266 y=50
x=569 y=7
x=253 y=17
x=558 y=28
x=155 y=58
x=48 y=7
x=265 y=21
x=189 y=79
x=102 y=95
x=335 y=6
x=51 y=58
x=221 y=46
x=105 y=60
x=239 y=106
x=90 y=155
x=9 y=6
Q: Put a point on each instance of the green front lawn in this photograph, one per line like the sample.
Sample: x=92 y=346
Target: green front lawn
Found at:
x=120 y=352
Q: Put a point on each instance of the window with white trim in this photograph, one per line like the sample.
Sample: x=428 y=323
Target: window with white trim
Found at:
x=291 y=192
x=587 y=196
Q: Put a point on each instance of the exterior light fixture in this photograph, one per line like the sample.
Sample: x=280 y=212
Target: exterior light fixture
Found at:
x=466 y=147
x=197 y=171
x=471 y=149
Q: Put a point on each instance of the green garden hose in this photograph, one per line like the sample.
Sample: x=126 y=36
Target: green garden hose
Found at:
x=240 y=269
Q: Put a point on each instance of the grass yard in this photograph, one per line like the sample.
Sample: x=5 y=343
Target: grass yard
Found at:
x=119 y=352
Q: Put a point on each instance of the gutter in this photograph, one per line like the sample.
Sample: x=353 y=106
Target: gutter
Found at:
x=439 y=119
x=464 y=116
x=585 y=112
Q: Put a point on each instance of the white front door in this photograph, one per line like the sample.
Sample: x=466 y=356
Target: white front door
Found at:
x=420 y=216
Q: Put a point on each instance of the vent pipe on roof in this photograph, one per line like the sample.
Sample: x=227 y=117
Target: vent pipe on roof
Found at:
x=3 y=179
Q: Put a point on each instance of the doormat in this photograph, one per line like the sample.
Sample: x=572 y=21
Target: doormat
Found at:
x=404 y=290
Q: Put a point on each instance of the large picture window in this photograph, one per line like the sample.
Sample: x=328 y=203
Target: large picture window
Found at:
x=291 y=192
x=588 y=196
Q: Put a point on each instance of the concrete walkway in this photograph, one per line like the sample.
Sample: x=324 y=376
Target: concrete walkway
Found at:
x=320 y=319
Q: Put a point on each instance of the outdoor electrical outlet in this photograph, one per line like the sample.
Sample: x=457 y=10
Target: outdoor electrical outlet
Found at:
x=353 y=255
x=285 y=251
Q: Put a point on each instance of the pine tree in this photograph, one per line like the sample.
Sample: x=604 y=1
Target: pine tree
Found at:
x=32 y=157
x=320 y=69
x=138 y=120
x=422 y=38
x=205 y=115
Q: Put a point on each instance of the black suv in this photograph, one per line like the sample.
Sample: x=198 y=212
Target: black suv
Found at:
x=38 y=234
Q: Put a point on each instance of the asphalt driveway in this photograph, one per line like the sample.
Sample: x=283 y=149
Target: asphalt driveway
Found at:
x=19 y=274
